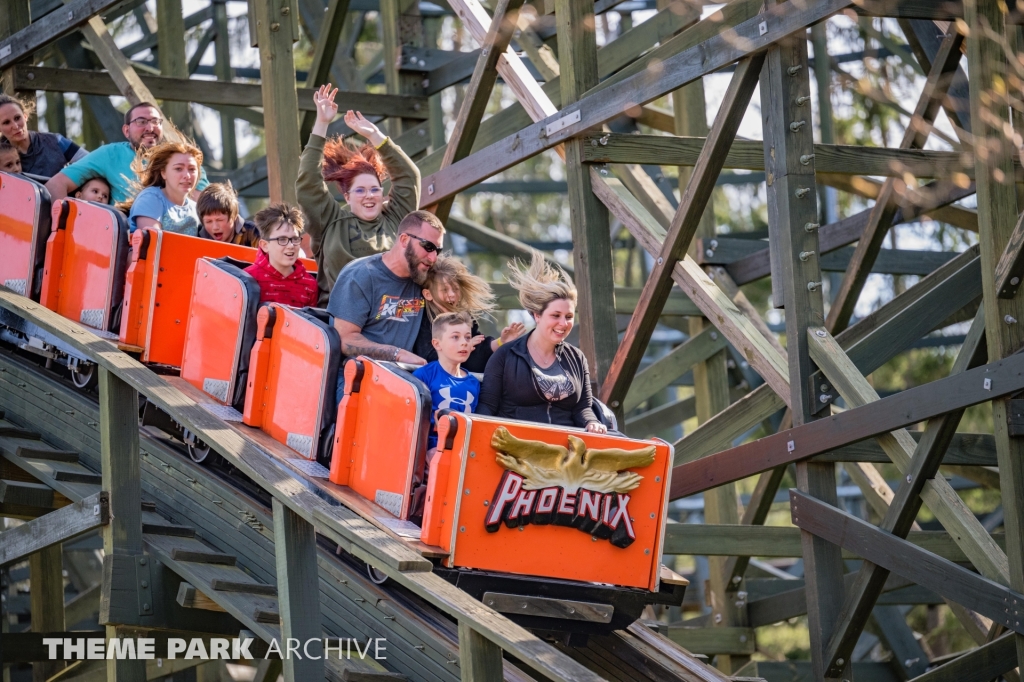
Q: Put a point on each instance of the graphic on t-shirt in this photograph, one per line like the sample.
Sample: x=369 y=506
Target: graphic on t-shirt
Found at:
x=464 y=403
x=398 y=308
x=553 y=387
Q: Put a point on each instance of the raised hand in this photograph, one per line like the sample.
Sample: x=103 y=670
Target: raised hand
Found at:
x=512 y=332
x=326 y=108
x=358 y=123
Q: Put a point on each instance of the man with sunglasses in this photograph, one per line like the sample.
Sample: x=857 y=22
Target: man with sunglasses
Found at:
x=143 y=129
x=377 y=301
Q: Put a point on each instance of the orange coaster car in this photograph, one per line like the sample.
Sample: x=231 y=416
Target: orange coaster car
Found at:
x=24 y=228
x=86 y=259
x=559 y=528
x=221 y=329
x=293 y=370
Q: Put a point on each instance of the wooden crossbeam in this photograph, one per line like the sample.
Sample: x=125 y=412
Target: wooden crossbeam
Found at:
x=206 y=92
x=681 y=230
x=1010 y=268
x=943 y=68
x=720 y=431
x=478 y=92
x=746 y=540
x=941 y=499
x=888 y=414
x=56 y=527
x=944 y=577
x=597 y=108
x=663 y=371
x=668 y=150
x=900 y=516
x=41 y=33
x=712 y=301
x=985 y=663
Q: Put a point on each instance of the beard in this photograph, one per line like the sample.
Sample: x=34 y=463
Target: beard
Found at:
x=418 y=277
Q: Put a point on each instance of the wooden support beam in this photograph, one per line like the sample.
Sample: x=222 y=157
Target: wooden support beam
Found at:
x=54 y=528
x=298 y=587
x=732 y=641
x=712 y=301
x=1010 y=268
x=597 y=108
x=745 y=540
x=34 y=36
x=668 y=368
x=191 y=598
x=121 y=71
x=888 y=414
x=754 y=515
x=588 y=217
x=681 y=230
x=796 y=285
x=323 y=56
x=47 y=598
x=939 y=78
x=668 y=150
x=900 y=516
x=950 y=580
x=941 y=499
x=720 y=431
x=997 y=214
x=479 y=657
x=122 y=537
x=276 y=30
x=171 y=57
x=478 y=92
x=985 y=663
x=660 y=418
x=222 y=69
x=204 y=42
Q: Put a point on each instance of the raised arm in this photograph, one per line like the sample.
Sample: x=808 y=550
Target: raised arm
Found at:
x=353 y=343
x=310 y=189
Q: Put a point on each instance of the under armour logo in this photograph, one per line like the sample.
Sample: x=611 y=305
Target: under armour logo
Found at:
x=463 y=404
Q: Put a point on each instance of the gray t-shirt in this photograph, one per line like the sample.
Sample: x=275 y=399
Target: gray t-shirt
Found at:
x=388 y=308
x=551 y=381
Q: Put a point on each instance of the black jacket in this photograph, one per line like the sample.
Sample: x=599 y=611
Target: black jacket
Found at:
x=477 y=360
x=509 y=390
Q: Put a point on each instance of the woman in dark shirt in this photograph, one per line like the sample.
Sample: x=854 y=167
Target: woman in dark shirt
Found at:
x=539 y=377
x=42 y=154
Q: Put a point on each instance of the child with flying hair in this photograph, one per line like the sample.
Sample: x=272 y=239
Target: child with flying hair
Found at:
x=452 y=288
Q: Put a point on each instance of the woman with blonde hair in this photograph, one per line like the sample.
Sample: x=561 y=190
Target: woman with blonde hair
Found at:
x=41 y=154
x=540 y=377
x=167 y=173
x=367 y=223
x=452 y=288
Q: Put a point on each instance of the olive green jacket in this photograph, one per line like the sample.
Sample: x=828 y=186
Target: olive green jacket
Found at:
x=337 y=235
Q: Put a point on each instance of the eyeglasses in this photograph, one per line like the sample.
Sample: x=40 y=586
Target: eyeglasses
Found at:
x=428 y=246
x=143 y=121
x=285 y=241
x=361 y=192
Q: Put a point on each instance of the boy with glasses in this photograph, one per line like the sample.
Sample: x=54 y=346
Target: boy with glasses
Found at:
x=281 y=275
x=143 y=129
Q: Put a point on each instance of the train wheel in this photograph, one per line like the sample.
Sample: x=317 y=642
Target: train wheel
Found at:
x=199 y=451
x=84 y=376
x=377 y=577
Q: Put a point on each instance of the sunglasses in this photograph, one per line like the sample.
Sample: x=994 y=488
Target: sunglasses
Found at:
x=428 y=246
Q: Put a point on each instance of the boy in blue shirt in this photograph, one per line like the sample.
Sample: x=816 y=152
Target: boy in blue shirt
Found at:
x=450 y=386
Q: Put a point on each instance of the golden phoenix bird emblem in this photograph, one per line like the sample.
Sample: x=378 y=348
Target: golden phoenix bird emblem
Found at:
x=543 y=465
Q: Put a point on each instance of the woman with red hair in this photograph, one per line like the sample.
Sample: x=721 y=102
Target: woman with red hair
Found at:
x=366 y=223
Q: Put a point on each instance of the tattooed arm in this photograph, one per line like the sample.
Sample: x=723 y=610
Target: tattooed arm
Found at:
x=353 y=343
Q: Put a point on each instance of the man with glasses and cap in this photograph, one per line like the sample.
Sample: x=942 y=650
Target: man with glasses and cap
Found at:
x=143 y=129
x=377 y=301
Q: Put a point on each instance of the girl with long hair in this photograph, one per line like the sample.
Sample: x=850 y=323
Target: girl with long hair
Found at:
x=42 y=154
x=540 y=377
x=452 y=288
x=167 y=173
x=367 y=222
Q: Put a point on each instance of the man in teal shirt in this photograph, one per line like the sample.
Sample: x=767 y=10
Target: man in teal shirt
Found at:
x=113 y=162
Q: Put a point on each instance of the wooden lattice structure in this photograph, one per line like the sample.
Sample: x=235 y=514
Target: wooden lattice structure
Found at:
x=569 y=92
